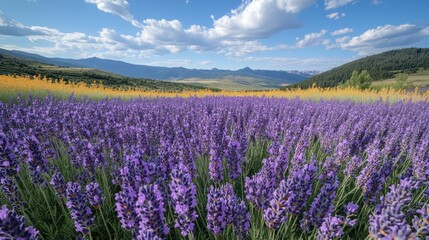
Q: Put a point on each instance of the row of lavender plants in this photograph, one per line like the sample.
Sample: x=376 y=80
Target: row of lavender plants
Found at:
x=213 y=168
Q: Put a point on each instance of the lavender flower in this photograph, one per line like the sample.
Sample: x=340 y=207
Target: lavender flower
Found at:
x=183 y=195
x=275 y=214
x=215 y=164
x=321 y=206
x=234 y=157
x=351 y=208
x=224 y=208
x=8 y=161
x=216 y=211
x=12 y=226
x=331 y=228
x=10 y=190
x=291 y=196
x=388 y=220
x=37 y=163
x=94 y=195
x=124 y=206
x=78 y=206
x=421 y=225
x=59 y=184
x=150 y=210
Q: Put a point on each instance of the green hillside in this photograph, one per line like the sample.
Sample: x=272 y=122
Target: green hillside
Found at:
x=381 y=66
x=10 y=65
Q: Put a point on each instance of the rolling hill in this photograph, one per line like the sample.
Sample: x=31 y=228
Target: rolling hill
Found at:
x=12 y=65
x=249 y=77
x=381 y=66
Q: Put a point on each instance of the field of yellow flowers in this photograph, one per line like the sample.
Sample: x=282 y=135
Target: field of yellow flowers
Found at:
x=11 y=86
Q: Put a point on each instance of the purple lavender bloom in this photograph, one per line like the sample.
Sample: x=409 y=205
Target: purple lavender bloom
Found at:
x=36 y=160
x=420 y=161
x=291 y=196
x=12 y=226
x=322 y=205
x=79 y=210
x=124 y=206
x=352 y=167
x=234 y=157
x=236 y=211
x=183 y=195
x=388 y=219
x=150 y=210
x=331 y=228
x=421 y=225
x=10 y=190
x=216 y=211
x=59 y=184
x=215 y=164
x=94 y=195
x=260 y=187
x=223 y=208
x=147 y=234
x=351 y=208
x=242 y=220
x=8 y=161
x=275 y=214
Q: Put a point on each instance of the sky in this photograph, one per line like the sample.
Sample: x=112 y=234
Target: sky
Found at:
x=225 y=34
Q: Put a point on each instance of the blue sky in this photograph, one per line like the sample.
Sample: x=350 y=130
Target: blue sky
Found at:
x=226 y=34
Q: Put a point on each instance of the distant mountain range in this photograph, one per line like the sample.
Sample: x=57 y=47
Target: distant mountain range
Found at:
x=266 y=78
x=380 y=66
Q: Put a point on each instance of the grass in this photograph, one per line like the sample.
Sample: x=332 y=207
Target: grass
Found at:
x=232 y=83
x=419 y=79
x=11 y=86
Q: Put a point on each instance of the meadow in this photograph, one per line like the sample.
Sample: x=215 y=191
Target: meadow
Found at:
x=11 y=86
x=211 y=165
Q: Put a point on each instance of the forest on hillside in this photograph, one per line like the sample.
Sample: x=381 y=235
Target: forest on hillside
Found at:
x=381 y=66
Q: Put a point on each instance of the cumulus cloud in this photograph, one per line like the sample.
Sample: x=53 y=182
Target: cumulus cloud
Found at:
x=335 y=15
x=332 y=4
x=341 y=31
x=11 y=27
x=312 y=39
x=259 y=19
x=383 y=38
x=116 y=7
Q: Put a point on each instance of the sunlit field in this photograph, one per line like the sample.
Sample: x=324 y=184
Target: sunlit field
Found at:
x=12 y=86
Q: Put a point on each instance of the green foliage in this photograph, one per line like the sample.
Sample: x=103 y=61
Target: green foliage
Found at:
x=401 y=82
x=359 y=80
x=380 y=66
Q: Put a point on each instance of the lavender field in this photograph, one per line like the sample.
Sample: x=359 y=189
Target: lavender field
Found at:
x=213 y=168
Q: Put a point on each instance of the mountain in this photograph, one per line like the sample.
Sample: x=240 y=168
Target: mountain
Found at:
x=14 y=65
x=380 y=66
x=271 y=79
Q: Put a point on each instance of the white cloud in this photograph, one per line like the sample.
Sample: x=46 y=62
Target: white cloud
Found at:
x=332 y=4
x=377 y=2
x=312 y=39
x=259 y=19
x=335 y=15
x=116 y=7
x=11 y=27
x=341 y=31
x=384 y=38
